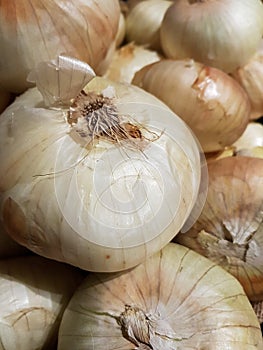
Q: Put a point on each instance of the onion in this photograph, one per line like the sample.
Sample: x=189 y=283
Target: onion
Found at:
x=129 y=59
x=212 y=103
x=223 y=34
x=100 y=178
x=143 y=22
x=121 y=31
x=229 y=230
x=251 y=137
x=35 y=31
x=250 y=77
x=176 y=299
x=33 y=295
x=250 y=142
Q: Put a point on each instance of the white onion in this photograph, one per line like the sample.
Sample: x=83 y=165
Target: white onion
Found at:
x=143 y=22
x=229 y=229
x=33 y=295
x=212 y=103
x=102 y=203
x=33 y=31
x=176 y=299
x=223 y=34
x=129 y=59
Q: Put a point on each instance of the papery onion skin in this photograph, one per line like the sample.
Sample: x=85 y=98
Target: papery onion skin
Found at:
x=143 y=22
x=52 y=203
x=176 y=299
x=250 y=77
x=129 y=59
x=34 y=31
x=222 y=34
x=33 y=295
x=229 y=230
x=212 y=103
x=251 y=137
x=121 y=31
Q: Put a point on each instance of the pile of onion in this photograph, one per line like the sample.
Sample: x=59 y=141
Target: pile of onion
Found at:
x=131 y=182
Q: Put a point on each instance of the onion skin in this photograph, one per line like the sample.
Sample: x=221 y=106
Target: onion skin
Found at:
x=47 y=165
x=143 y=22
x=36 y=31
x=250 y=77
x=33 y=295
x=129 y=59
x=176 y=299
x=229 y=229
x=223 y=34
x=211 y=103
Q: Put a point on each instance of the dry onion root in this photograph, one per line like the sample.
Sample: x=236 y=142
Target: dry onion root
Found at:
x=258 y=308
x=212 y=103
x=118 y=176
x=229 y=230
x=33 y=295
x=250 y=142
x=176 y=299
x=35 y=31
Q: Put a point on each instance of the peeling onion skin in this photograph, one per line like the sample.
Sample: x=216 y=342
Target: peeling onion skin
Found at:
x=129 y=59
x=212 y=103
x=223 y=34
x=33 y=295
x=35 y=31
x=229 y=230
x=176 y=299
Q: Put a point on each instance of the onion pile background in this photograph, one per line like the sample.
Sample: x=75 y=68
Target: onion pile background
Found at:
x=198 y=283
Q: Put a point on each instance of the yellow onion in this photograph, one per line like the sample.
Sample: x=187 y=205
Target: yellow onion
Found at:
x=36 y=31
x=229 y=230
x=99 y=178
x=127 y=60
x=250 y=77
x=223 y=34
x=212 y=103
x=33 y=295
x=143 y=22
x=176 y=299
